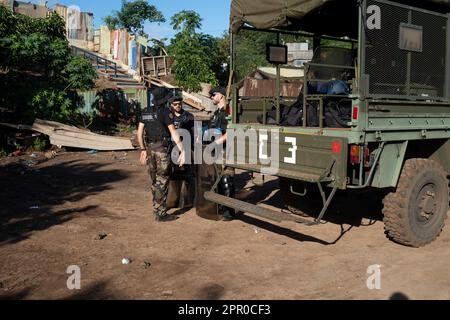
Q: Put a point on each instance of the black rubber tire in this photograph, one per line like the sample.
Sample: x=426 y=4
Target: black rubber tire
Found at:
x=405 y=220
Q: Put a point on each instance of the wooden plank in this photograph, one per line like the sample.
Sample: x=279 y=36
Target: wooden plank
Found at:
x=58 y=140
x=77 y=140
x=193 y=104
x=70 y=136
x=57 y=125
x=93 y=137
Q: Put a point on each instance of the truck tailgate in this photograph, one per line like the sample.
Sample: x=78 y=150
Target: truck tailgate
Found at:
x=305 y=157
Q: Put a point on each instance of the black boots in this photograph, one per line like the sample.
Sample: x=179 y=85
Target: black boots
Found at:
x=228 y=214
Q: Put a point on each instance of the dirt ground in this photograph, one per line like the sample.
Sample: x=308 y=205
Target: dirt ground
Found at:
x=93 y=210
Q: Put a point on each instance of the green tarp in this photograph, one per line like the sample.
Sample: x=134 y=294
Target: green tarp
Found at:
x=286 y=14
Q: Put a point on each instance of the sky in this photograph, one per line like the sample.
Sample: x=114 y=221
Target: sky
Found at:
x=214 y=13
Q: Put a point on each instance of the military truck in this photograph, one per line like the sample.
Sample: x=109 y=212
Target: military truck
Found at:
x=388 y=130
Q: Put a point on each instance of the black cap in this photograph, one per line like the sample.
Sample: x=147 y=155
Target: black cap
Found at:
x=175 y=98
x=218 y=90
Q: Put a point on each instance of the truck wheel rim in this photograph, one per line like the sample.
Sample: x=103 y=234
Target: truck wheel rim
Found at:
x=427 y=204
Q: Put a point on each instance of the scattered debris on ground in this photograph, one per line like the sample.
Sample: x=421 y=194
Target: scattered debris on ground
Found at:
x=101 y=236
x=71 y=136
x=167 y=293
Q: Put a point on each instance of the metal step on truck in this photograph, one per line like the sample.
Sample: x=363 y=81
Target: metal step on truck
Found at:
x=373 y=112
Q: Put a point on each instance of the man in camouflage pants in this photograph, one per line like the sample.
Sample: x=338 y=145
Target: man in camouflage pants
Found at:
x=159 y=168
x=157 y=123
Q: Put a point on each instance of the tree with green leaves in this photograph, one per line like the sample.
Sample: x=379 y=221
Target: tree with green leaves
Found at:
x=218 y=56
x=251 y=49
x=194 y=53
x=133 y=15
x=38 y=74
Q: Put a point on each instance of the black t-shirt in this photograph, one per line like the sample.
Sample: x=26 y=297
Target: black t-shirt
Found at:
x=166 y=117
x=184 y=121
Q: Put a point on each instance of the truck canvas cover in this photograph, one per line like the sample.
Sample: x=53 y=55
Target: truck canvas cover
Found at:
x=298 y=14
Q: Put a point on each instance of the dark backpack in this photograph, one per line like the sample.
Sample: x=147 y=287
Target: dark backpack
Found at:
x=293 y=117
x=337 y=114
x=271 y=116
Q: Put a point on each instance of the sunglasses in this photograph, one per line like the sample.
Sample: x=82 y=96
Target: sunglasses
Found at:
x=176 y=103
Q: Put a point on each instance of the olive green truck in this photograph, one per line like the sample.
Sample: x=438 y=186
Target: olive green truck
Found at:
x=374 y=106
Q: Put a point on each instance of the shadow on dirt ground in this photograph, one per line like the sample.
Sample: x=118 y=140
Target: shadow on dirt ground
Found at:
x=351 y=208
x=95 y=291
x=271 y=227
x=29 y=196
x=210 y=292
x=22 y=294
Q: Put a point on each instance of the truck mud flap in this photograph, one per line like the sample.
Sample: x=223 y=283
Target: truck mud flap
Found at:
x=181 y=191
x=173 y=194
x=180 y=195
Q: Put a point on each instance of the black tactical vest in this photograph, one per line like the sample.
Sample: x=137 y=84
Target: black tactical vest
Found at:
x=217 y=119
x=155 y=130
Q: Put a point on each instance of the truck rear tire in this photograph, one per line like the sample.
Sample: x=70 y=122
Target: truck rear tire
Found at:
x=415 y=213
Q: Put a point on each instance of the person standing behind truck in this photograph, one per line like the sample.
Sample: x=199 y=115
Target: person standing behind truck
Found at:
x=219 y=122
x=157 y=123
x=184 y=120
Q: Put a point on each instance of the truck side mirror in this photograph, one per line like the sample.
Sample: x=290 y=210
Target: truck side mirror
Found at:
x=276 y=54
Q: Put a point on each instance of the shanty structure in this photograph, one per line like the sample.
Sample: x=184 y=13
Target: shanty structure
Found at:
x=261 y=82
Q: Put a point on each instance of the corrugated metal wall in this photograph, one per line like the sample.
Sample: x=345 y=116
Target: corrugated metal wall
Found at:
x=105 y=40
x=7 y=3
x=127 y=96
x=139 y=95
x=30 y=9
x=125 y=48
x=79 y=26
x=89 y=98
x=80 y=32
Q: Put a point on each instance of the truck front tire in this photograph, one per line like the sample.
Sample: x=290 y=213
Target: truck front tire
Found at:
x=415 y=213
